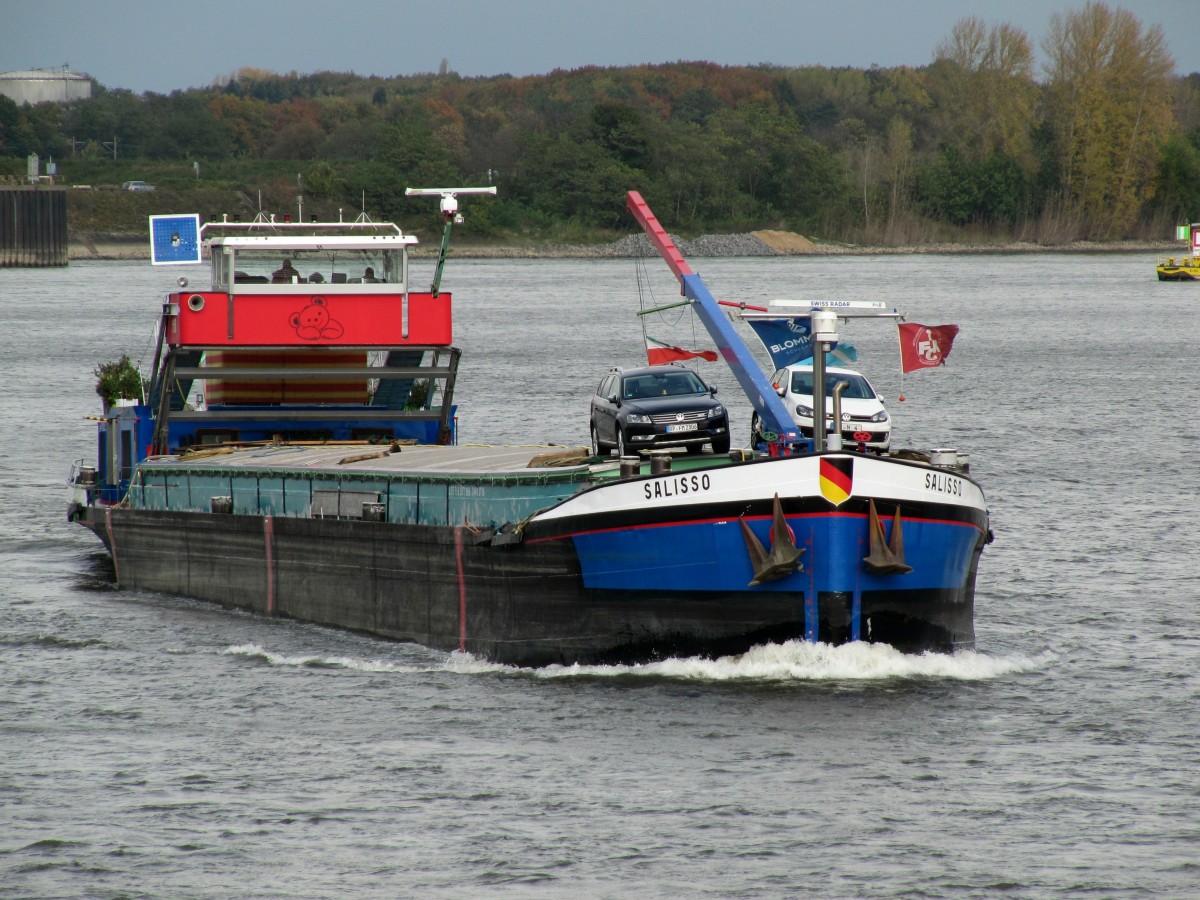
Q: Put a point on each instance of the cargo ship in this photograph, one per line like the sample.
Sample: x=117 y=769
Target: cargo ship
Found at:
x=294 y=454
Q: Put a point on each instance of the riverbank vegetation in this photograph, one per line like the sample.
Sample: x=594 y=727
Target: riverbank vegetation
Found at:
x=1101 y=144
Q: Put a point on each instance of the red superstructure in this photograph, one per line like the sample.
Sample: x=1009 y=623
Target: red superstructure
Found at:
x=308 y=331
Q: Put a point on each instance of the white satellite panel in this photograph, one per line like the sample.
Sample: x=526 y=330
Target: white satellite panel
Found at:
x=174 y=240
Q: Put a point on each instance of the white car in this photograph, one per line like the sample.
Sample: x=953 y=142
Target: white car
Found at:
x=864 y=419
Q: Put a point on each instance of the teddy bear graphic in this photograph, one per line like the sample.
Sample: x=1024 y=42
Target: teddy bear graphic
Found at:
x=314 y=322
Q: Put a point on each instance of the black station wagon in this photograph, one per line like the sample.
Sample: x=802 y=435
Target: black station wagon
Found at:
x=657 y=406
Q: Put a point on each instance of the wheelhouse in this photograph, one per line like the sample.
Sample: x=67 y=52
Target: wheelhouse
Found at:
x=306 y=333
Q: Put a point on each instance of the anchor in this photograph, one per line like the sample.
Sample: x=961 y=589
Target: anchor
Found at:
x=886 y=558
x=784 y=558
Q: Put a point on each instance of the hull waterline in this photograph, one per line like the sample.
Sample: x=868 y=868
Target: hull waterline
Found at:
x=592 y=580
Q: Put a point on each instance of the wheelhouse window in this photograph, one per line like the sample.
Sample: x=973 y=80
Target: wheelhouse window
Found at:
x=233 y=267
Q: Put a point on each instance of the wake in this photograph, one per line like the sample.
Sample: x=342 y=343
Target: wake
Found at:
x=787 y=662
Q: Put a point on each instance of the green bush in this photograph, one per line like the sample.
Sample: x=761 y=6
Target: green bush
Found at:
x=118 y=380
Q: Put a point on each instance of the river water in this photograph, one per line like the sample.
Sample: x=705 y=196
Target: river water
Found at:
x=152 y=746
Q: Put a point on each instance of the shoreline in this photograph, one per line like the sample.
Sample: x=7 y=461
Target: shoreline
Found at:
x=87 y=246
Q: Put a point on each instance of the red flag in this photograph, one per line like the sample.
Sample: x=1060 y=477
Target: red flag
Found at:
x=924 y=346
x=658 y=353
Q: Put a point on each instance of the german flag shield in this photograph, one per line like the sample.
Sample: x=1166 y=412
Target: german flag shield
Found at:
x=837 y=479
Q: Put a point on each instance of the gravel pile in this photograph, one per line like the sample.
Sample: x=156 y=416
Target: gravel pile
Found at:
x=705 y=245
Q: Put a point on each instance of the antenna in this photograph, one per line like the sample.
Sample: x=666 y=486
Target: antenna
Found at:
x=449 y=205
x=363 y=218
x=260 y=217
x=449 y=209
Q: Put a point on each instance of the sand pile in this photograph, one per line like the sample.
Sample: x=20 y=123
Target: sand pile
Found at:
x=786 y=242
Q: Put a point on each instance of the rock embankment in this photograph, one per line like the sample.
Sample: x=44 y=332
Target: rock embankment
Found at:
x=101 y=246
x=787 y=243
x=92 y=245
x=755 y=243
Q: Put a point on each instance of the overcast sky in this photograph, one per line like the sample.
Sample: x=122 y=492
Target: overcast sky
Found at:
x=168 y=45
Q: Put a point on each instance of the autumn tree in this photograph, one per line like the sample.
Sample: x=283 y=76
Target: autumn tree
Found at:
x=11 y=141
x=250 y=122
x=982 y=81
x=572 y=178
x=691 y=173
x=1109 y=99
x=861 y=154
x=899 y=167
x=970 y=141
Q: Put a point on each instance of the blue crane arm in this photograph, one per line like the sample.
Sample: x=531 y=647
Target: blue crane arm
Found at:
x=770 y=407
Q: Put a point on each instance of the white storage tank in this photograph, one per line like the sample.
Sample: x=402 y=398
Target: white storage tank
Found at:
x=45 y=86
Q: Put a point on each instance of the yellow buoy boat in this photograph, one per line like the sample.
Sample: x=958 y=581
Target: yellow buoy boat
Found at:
x=1187 y=269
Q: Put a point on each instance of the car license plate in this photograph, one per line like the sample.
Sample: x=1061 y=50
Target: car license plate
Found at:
x=686 y=426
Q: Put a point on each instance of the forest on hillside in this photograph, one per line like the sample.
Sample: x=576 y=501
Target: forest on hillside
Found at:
x=1102 y=144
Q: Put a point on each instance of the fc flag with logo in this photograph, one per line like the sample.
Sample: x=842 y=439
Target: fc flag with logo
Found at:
x=925 y=346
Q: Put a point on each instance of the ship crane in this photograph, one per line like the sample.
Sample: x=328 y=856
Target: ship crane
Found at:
x=770 y=407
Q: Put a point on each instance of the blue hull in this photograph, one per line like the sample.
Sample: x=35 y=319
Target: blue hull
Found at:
x=661 y=541
x=710 y=555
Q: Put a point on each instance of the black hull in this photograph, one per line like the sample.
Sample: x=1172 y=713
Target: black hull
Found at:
x=523 y=604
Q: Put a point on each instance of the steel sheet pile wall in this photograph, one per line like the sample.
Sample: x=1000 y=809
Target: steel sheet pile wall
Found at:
x=33 y=227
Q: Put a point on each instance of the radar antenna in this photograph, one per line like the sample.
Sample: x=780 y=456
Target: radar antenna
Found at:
x=449 y=209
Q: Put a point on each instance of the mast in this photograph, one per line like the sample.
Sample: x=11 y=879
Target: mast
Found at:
x=450 y=213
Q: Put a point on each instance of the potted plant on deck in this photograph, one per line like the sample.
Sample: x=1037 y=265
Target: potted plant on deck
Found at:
x=118 y=380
